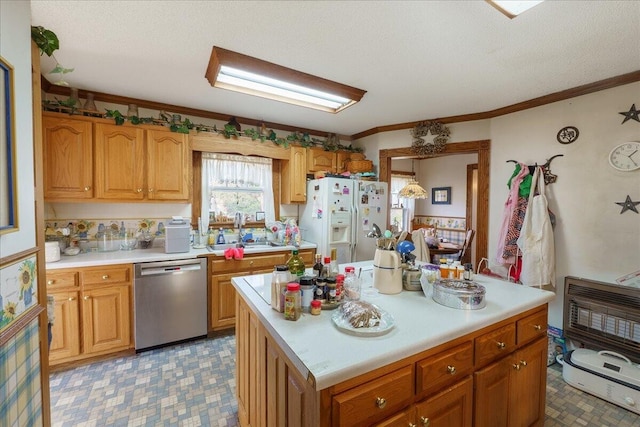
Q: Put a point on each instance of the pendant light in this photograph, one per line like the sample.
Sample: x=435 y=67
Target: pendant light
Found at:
x=413 y=190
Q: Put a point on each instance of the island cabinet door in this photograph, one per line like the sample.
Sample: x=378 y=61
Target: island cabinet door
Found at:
x=248 y=387
x=452 y=407
x=527 y=385
x=491 y=393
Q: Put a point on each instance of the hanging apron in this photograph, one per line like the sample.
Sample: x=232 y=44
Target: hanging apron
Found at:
x=536 y=238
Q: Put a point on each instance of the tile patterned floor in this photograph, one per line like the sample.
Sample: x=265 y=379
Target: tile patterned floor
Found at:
x=193 y=385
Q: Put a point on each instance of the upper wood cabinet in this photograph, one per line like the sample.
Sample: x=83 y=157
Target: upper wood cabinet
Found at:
x=95 y=160
x=319 y=160
x=68 y=158
x=294 y=176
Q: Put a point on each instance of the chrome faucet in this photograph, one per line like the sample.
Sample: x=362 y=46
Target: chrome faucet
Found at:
x=238 y=222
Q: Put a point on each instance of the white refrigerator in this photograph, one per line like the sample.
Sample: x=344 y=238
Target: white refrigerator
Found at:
x=339 y=214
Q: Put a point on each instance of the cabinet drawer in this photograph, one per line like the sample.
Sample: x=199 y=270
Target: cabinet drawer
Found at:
x=498 y=342
x=531 y=327
x=446 y=367
x=106 y=275
x=62 y=279
x=374 y=400
x=248 y=263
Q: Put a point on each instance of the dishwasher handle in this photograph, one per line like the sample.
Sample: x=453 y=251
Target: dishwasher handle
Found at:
x=158 y=268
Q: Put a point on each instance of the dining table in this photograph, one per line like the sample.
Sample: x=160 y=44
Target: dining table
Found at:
x=448 y=249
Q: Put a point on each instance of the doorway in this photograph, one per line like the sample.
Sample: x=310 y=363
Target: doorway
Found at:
x=482 y=149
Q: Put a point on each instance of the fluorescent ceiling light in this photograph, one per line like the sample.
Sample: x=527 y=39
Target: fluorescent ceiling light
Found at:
x=245 y=74
x=513 y=8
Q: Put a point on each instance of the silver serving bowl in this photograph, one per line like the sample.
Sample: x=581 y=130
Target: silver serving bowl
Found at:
x=459 y=294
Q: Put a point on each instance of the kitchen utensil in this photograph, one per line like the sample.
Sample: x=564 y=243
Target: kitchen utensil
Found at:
x=459 y=294
x=376 y=230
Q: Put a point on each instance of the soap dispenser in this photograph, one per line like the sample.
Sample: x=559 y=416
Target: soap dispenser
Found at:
x=220 y=240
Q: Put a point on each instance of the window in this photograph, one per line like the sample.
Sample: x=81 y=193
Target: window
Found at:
x=233 y=184
x=401 y=210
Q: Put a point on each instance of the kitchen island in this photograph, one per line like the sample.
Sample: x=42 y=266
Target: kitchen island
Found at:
x=436 y=366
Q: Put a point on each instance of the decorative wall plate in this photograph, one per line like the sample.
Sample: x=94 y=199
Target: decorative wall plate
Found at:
x=567 y=134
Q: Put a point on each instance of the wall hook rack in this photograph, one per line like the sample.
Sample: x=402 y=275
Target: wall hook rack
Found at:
x=549 y=178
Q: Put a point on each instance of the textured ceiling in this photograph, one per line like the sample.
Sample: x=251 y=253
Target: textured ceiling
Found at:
x=417 y=60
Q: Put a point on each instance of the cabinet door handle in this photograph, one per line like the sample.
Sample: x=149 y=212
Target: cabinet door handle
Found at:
x=139 y=190
x=537 y=327
x=523 y=362
x=501 y=345
x=516 y=366
x=86 y=298
x=426 y=422
x=87 y=188
x=250 y=262
x=105 y=277
x=412 y=425
x=381 y=402
x=151 y=190
x=71 y=299
x=451 y=369
x=50 y=282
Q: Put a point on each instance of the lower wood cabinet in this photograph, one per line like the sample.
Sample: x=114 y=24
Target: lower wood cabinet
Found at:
x=442 y=387
x=222 y=295
x=92 y=312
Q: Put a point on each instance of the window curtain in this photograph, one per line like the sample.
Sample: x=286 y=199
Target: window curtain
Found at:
x=242 y=172
x=397 y=183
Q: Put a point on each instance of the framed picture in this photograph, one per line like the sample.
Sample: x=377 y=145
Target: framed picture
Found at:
x=8 y=196
x=259 y=216
x=441 y=196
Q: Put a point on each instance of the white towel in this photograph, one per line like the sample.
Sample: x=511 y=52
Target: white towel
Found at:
x=422 y=250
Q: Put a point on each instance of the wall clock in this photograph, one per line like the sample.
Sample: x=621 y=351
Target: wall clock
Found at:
x=625 y=157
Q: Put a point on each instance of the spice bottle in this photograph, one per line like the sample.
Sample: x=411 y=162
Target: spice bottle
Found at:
x=351 y=285
x=307 y=289
x=320 y=294
x=339 y=287
x=331 y=290
x=279 y=280
x=316 y=307
x=292 y=305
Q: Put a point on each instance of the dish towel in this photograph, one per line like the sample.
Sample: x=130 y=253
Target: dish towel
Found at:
x=422 y=250
x=235 y=253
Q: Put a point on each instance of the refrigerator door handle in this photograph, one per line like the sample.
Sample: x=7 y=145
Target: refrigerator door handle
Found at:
x=354 y=223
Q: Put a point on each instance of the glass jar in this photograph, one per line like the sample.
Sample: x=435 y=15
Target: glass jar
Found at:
x=339 y=287
x=316 y=307
x=351 y=285
x=279 y=279
x=331 y=290
x=292 y=304
x=320 y=293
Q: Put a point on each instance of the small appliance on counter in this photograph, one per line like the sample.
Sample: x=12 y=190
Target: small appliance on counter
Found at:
x=177 y=236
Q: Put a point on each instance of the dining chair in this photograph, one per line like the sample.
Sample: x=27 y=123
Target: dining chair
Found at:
x=465 y=252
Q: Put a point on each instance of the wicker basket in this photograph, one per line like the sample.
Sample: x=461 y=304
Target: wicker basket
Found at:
x=355 y=166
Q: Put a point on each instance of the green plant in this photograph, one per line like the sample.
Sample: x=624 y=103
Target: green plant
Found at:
x=47 y=41
x=117 y=116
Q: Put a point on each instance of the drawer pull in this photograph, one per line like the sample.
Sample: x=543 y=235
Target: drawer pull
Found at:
x=87 y=188
x=523 y=362
x=71 y=299
x=139 y=190
x=250 y=262
x=516 y=366
x=86 y=298
x=50 y=282
x=381 y=402
x=451 y=369
x=412 y=425
x=105 y=277
x=151 y=190
x=501 y=345
x=426 y=422
x=537 y=327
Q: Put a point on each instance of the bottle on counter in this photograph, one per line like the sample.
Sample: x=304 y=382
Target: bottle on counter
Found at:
x=307 y=290
x=331 y=290
x=220 y=240
x=296 y=264
x=211 y=238
x=320 y=294
x=351 y=285
x=316 y=307
x=279 y=280
x=333 y=269
x=292 y=303
x=326 y=271
x=339 y=287
x=318 y=267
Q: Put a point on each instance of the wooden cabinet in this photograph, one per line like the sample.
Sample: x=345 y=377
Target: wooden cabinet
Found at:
x=95 y=160
x=294 y=177
x=342 y=158
x=319 y=160
x=68 y=158
x=452 y=407
x=92 y=311
x=222 y=294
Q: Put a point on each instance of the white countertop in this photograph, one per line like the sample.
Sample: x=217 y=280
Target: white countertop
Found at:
x=331 y=356
x=92 y=259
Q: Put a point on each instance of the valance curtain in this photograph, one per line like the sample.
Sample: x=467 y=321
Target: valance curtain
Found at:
x=240 y=172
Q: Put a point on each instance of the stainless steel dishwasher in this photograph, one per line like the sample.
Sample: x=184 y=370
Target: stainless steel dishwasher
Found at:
x=170 y=301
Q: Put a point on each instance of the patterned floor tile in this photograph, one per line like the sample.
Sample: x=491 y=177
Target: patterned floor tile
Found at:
x=193 y=385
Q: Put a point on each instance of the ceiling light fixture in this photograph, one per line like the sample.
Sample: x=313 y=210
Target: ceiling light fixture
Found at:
x=241 y=73
x=513 y=8
x=413 y=190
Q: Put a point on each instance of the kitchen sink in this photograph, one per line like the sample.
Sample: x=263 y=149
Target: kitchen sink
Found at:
x=250 y=245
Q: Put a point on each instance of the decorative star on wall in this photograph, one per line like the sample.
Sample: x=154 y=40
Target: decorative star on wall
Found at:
x=628 y=205
x=631 y=114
